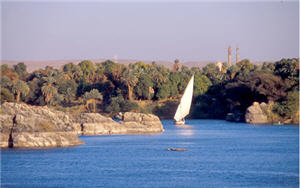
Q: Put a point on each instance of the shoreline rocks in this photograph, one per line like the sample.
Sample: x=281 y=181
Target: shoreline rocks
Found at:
x=137 y=123
x=255 y=114
x=44 y=139
x=262 y=113
x=25 y=126
x=131 y=123
x=96 y=124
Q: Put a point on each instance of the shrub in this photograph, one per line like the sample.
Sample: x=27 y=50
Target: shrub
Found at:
x=129 y=106
x=288 y=106
x=6 y=95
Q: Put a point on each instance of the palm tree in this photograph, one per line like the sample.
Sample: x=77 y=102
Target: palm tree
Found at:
x=73 y=71
x=69 y=95
x=91 y=97
x=130 y=77
x=176 y=65
x=48 y=89
x=158 y=77
x=5 y=82
x=20 y=87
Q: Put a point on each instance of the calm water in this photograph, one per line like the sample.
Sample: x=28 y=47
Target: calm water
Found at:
x=220 y=154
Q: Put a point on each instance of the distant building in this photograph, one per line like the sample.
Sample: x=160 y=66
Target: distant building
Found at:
x=237 y=55
x=229 y=55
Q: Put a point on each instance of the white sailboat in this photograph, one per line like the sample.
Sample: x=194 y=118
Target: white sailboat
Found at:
x=185 y=103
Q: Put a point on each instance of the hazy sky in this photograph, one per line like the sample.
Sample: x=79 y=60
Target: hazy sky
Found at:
x=193 y=31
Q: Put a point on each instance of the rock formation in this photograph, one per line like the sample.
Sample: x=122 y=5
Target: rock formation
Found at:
x=96 y=124
x=132 y=123
x=137 y=123
x=28 y=126
x=255 y=114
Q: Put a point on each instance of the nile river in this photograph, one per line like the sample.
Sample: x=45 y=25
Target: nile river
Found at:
x=220 y=154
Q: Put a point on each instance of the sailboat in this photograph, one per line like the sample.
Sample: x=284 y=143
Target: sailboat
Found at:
x=184 y=106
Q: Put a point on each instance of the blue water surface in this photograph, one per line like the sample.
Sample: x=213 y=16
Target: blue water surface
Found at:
x=220 y=154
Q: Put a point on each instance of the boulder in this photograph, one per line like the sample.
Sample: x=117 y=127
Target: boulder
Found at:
x=96 y=124
x=38 y=119
x=44 y=139
x=132 y=123
x=139 y=123
x=255 y=115
x=6 y=124
x=24 y=126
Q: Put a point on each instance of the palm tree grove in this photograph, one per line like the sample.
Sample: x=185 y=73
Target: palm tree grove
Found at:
x=109 y=88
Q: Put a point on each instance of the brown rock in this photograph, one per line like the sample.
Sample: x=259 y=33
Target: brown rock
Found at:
x=6 y=125
x=96 y=124
x=45 y=139
x=255 y=115
x=23 y=125
x=133 y=123
x=138 y=123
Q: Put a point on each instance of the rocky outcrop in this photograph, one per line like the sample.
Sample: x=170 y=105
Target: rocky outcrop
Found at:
x=6 y=123
x=255 y=114
x=96 y=124
x=28 y=126
x=44 y=139
x=138 y=123
x=31 y=126
x=132 y=123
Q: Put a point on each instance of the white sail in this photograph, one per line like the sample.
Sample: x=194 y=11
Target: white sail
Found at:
x=185 y=102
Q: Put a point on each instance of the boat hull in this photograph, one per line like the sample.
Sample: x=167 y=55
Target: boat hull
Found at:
x=179 y=122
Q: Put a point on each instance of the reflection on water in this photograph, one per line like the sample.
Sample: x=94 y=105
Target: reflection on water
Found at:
x=186 y=130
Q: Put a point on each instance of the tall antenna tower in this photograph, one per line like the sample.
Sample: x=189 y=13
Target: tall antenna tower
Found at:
x=237 y=54
x=229 y=55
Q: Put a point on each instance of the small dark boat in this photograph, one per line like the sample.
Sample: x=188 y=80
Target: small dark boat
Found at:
x=177 y=149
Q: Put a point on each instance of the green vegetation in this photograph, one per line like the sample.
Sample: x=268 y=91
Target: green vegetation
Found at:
x=20 y=87
x=91 y=97
x=109 y=87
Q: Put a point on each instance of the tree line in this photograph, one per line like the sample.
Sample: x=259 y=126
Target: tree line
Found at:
x=109 y=87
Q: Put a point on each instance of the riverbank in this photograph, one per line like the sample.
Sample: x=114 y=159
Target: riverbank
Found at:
x=25 y=126
x=263 y=113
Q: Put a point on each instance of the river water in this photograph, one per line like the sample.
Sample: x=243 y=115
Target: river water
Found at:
x=220 y=154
